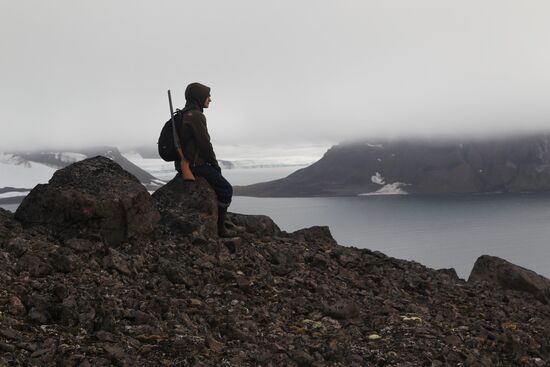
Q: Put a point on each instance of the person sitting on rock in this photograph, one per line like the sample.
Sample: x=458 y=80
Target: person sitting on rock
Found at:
x=199 y=152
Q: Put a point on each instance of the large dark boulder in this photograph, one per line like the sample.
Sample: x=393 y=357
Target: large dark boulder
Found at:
x=191 y=208
x=257 y=225
x=92 y=198
x=319 y=234
x=188 y=207
x=63 y=159
x=506 y=275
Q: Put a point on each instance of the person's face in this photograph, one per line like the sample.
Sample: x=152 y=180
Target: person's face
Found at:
x=207 y=102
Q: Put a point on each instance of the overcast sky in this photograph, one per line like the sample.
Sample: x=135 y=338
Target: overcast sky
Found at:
x=75 y=72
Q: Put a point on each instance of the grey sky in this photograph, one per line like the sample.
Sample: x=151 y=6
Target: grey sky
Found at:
x=282 y=72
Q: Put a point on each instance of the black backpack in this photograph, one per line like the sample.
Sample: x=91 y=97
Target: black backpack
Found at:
x=166 y=146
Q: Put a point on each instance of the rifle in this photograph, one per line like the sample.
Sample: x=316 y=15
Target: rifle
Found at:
x=184 y=163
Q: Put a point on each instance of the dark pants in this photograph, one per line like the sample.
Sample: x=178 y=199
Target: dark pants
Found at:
x=223 y=189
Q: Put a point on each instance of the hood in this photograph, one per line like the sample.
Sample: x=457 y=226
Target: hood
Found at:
x=197 y=93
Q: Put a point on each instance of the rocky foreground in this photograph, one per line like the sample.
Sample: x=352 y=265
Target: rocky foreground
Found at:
x=96 y=272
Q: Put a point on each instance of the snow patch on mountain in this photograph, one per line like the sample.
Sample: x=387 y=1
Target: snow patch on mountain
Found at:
x=70 y=157
x=377 y=179
x=395 y=188
x=374 y=145
x=7 y=158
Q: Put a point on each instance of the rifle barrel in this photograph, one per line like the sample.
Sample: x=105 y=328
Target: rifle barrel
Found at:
x=175 y=133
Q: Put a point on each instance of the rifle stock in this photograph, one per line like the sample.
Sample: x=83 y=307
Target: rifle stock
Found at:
x=184 y=163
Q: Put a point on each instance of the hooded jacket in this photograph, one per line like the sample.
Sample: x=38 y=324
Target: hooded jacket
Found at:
x=193 y=132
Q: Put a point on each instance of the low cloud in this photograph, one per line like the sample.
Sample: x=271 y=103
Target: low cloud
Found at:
x=281 y=73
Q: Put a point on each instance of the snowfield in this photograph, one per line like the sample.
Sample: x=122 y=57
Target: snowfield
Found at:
x=374 y=145
x=159 y=168
x=13 y=194
x=395 y=188
x=271 y=162
x=157 y=164
x=377 y=179
x=70 y=157
x=19 y=173
x=165 y=170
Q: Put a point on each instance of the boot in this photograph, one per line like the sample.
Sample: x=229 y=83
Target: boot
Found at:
x=222 y=231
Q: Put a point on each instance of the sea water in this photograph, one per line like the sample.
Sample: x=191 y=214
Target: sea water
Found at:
x=441 y=231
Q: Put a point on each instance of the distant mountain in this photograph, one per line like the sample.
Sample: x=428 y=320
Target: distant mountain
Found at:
x=148 y=151
x=520 y=164
x=21 y=171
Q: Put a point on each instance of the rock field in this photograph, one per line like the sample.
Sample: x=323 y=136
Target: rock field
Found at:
x=96 y=272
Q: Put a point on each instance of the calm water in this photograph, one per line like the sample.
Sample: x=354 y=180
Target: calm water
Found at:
x=438 y=231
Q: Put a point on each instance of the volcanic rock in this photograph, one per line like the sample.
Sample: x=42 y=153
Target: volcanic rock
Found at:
x=5 y=223
x=257 y=225
x=180 y=296
x=34 y=265
x=504 y=274
x=188 y=207
x=91 y=198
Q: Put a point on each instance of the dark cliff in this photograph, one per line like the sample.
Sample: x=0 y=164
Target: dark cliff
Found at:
x=519 y=164
x=96 y=272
